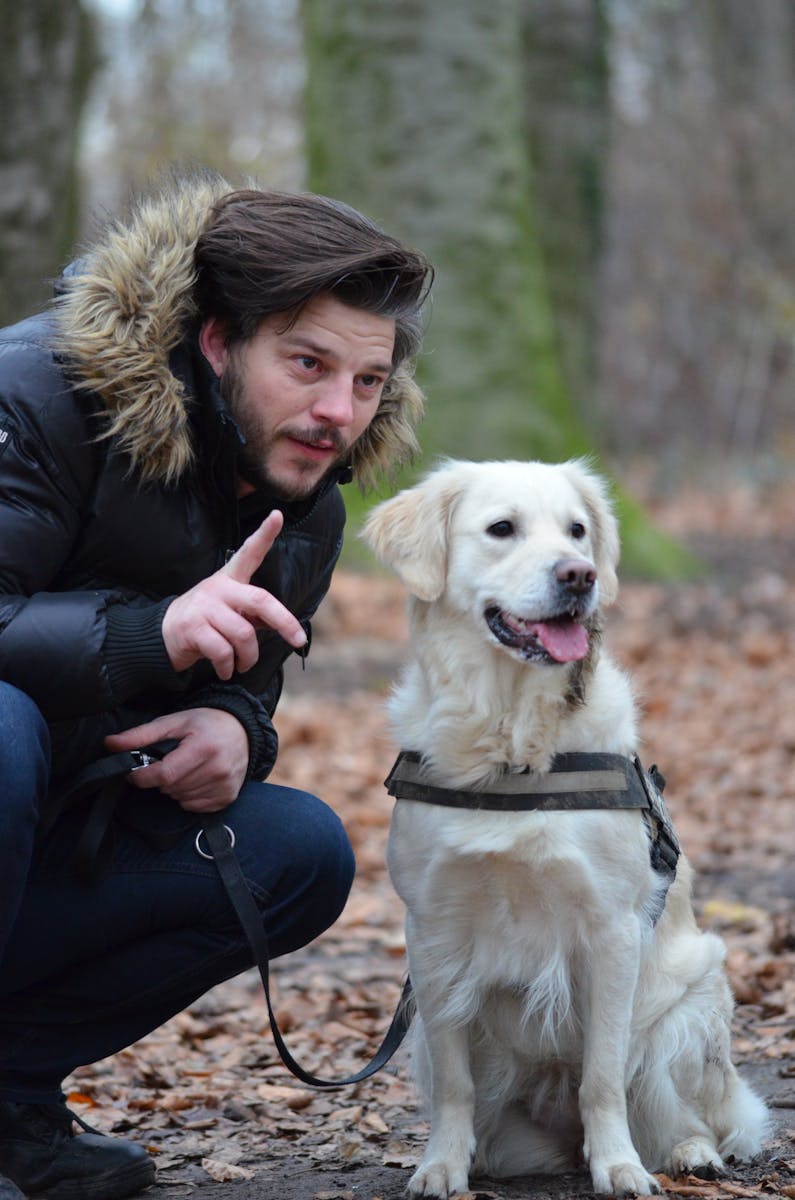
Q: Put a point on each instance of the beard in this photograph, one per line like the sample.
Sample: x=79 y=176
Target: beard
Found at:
x=254 y=461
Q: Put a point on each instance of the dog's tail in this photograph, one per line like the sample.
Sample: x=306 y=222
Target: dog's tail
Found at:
x=740 y=1120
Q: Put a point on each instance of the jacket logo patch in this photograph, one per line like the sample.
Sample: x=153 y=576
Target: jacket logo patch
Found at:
x=5 y=438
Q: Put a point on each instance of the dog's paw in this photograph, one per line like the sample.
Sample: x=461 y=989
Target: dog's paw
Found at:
x=439 y=1179
x=697 y=1156
x=623 y=1179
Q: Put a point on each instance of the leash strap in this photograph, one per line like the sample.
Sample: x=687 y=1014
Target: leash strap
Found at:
x=250 y=917
x=99 y=786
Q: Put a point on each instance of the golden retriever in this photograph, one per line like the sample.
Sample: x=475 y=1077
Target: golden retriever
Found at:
x=555 y=1018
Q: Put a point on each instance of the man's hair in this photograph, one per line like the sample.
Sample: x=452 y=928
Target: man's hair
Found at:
x=272 y=252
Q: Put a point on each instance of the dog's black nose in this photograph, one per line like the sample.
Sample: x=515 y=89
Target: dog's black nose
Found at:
x=577 y=575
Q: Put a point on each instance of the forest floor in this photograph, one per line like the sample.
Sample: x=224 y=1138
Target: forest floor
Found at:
x=714 y=667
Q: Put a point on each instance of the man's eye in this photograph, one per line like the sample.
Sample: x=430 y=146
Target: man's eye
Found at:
x=370 y=381
x=308 y=361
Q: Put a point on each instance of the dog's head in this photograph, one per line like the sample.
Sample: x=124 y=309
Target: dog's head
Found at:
x=528 y=551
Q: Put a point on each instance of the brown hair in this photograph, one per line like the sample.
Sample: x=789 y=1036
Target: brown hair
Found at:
x=271 y=252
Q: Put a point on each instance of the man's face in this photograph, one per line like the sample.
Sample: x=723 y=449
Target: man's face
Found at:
x=303 y=395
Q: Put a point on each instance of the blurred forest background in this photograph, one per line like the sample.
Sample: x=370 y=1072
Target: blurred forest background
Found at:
x=604 y=186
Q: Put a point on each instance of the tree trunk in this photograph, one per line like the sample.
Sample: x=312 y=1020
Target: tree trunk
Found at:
x=46 y=60
x=419 y=120
x=566 y=120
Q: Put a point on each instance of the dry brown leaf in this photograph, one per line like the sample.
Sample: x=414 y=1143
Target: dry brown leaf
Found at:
x=224 y=1172
x=375 y=1121
x=294 y=1098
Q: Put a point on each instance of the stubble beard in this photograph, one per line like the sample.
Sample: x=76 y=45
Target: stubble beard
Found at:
x=257 y=453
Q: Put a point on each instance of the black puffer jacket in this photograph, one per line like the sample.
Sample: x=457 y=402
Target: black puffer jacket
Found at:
x=90 y=557
x=98 y=534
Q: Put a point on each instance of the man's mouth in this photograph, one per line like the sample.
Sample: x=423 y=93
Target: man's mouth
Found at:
x=559 y=639
x=318 y=446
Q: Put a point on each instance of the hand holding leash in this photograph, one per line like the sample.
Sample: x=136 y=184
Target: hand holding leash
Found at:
x=207 y=768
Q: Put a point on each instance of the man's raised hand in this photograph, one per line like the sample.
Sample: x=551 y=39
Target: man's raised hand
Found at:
x=218 y=619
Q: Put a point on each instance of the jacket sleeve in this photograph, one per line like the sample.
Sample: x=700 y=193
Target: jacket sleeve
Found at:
x=52 y=643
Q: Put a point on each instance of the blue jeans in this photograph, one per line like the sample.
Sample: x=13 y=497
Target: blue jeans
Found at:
x=89 y=968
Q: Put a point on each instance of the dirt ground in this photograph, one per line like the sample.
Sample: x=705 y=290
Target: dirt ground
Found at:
x=713 y=666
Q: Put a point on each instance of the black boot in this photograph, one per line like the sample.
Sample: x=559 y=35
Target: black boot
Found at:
x=40 y=1152
x=9 y=1190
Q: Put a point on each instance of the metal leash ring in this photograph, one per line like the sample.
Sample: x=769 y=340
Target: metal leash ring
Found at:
x=204 y=853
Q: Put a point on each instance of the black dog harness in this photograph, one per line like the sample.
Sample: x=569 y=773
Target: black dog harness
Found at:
x=574 y=782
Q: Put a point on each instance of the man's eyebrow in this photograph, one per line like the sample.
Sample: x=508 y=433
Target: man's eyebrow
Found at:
x=305 y=342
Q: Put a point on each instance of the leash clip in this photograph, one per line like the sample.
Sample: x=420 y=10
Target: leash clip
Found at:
x=142 y=759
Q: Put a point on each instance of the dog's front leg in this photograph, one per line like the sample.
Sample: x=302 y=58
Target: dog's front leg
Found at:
x=444 y=1170
x=609 y=990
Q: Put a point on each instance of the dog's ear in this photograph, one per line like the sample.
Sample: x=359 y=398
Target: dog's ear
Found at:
x=409 y=532
x=604 y=527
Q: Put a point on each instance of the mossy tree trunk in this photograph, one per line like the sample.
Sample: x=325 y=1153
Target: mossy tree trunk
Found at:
x=417 y=115
x=46 y=58
x=566 y=112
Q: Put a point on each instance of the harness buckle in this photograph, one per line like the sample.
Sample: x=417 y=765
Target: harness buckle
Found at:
x=665 y=849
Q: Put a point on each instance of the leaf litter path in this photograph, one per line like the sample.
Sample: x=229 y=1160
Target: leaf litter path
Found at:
x=713 y=667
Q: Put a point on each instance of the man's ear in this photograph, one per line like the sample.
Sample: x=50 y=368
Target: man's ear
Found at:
x=409 y=533
x=212 y=343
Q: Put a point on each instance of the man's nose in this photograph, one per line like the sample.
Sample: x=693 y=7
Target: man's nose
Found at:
x=334 y=402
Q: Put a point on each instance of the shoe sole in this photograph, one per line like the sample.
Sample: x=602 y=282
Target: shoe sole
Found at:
x=121 y=1183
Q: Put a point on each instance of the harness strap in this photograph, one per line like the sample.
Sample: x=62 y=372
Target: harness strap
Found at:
x=574 y=782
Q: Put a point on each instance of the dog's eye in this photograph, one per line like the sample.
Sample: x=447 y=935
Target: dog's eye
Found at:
x=577 y=530
x=501 y=529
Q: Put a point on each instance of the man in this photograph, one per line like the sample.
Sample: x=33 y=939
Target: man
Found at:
x=172 y=436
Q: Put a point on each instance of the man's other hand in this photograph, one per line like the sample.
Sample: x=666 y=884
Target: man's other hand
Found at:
x=206 y=770
x=218 y=619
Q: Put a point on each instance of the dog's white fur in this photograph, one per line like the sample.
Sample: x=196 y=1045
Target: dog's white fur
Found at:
x=554 y=1018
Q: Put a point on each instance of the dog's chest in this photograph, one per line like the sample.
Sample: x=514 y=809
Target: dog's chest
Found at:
x=524 y=880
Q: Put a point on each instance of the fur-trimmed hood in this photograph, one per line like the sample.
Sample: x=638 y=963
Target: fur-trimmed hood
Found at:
x=129 y=304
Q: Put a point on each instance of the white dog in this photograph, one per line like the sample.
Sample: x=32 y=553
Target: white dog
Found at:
x=555 y=1018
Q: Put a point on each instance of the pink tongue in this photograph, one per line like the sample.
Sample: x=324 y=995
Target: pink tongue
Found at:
x=565 y=641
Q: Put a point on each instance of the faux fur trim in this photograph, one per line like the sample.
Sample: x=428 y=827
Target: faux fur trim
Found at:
x=121 y=316
x=128 y=308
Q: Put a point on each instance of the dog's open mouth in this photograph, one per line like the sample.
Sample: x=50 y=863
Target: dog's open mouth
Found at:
x=560 y=639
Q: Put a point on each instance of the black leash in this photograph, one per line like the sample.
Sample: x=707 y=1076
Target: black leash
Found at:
x=220 y=843
x=101 y=784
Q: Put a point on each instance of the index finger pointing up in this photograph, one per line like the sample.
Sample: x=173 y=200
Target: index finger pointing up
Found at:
x=245 y=561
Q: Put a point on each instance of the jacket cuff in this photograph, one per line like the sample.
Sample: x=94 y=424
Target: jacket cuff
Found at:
x=263 y=741
x=135 y=652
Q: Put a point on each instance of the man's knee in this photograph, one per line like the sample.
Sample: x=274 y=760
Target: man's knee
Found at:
x=334 y=860
x=321 y=861
x=24 y=745
x=305 y=862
